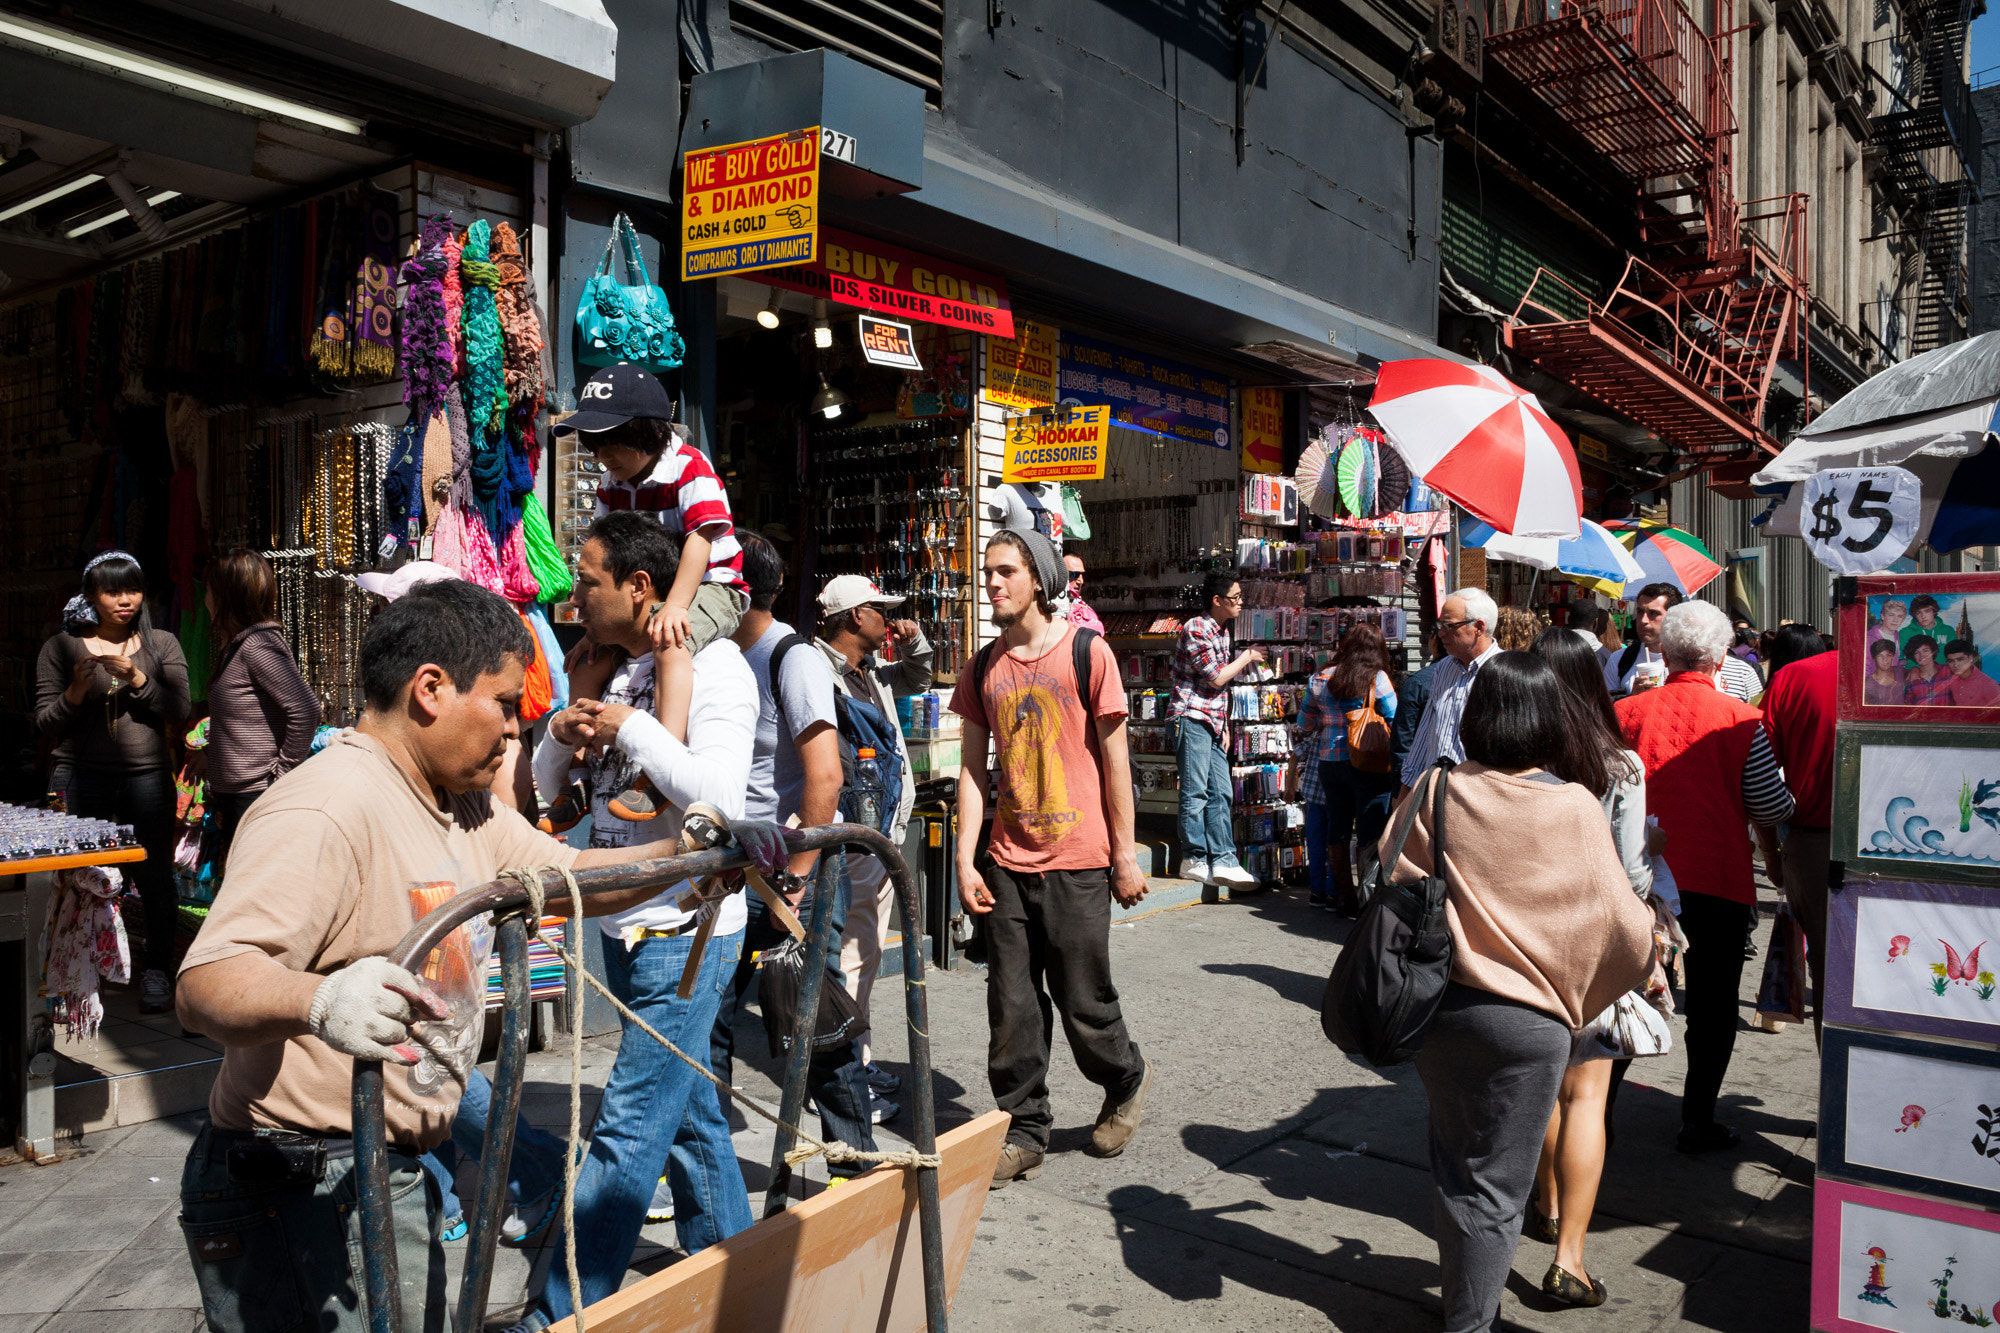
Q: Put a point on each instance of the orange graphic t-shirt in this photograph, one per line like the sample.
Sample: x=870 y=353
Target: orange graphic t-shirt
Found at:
x=1050 y=814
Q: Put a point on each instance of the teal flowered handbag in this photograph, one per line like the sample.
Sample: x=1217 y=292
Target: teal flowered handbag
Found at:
x=626 y=322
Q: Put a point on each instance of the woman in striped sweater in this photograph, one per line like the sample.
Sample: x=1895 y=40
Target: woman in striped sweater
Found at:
x=262 y=714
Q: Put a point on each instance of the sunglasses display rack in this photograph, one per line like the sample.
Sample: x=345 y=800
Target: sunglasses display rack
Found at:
x=892 y=503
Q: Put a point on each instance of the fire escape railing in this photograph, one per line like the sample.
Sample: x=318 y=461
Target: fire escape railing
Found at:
x=1928 y=138
x=1713 y=296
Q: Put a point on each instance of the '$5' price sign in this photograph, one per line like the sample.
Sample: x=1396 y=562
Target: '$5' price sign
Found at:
x=1860 y=520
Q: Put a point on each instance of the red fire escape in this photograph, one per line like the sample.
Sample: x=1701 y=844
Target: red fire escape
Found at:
x=1714 y=295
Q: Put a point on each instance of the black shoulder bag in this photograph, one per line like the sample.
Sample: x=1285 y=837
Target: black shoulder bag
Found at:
x=1391 y=974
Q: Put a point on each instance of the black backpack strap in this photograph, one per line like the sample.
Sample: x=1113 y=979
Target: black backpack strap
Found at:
x=783 y=646
x=1628 y=657
x=1085 y=669
x=980 y=666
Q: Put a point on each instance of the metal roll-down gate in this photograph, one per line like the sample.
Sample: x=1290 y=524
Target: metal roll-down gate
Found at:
x=508 y=902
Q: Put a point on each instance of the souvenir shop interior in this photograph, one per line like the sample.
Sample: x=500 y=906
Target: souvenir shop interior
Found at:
x=257 y=385
x=1313 y=560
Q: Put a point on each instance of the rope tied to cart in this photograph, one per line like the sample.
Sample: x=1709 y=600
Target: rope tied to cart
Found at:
x=809 y=1147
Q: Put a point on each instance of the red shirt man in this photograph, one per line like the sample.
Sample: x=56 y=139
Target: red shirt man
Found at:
x=1798 y=719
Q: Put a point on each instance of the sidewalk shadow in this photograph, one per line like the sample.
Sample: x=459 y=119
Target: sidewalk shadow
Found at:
x=1169 y=1271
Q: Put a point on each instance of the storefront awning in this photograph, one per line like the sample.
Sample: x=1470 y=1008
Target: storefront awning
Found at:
x=547 y=62
x=1011 y=223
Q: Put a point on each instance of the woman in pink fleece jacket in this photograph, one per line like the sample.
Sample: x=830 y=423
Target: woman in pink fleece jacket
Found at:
x=1546 y=932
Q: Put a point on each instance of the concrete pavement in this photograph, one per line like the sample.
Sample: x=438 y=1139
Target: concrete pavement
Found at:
x=1274 y=1184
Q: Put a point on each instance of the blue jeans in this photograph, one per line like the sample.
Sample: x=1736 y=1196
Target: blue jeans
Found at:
x=1319 y=870
x=1205 y=793
x=277 y=1253
x=836 y=1080
x=646 y=1100
x=533 y=1170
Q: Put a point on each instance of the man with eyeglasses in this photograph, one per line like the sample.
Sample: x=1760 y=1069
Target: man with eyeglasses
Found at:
x=1080 y=613
x=1203 y=668
x=1465 y=631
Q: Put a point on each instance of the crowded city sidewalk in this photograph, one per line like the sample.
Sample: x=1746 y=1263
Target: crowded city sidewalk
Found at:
x=1274 y=1183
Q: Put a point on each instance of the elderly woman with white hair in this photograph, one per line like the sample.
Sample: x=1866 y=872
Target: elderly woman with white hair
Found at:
x=1709 y=772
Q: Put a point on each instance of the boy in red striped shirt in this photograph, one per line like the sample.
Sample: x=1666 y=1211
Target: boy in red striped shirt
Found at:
x=624 y=419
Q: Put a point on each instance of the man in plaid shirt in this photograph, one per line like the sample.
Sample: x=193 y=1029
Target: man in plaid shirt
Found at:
x=1203 y=668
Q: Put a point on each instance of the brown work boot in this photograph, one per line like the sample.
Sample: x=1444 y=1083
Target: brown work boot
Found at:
x=1117 y=1120
x=1017 y=1162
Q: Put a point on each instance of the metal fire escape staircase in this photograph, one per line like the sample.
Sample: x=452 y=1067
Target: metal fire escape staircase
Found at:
x=1928 y=135
x=1713 y=297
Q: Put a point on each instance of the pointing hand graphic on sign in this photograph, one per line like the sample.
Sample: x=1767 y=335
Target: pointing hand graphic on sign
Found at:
x=797 y=215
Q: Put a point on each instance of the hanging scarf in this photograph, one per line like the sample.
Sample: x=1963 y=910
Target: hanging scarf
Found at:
x=494 y=476
x=427 y=356
x=517 y=581
x=355 y=338
x=83 y=946
x=436 y=464
x=544 y=557
x=521 y=331
x=454 y=303
x=375 y=287
x=135 y=351
x=462 y=543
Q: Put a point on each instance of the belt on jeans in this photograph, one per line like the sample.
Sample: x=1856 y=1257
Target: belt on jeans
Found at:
x=336 y=1149
x=648 y=933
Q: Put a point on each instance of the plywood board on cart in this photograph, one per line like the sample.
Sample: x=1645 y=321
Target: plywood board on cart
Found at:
x=845 y=1261
x=1904 y=1264
x=1913 y=1115
x=1914 y=957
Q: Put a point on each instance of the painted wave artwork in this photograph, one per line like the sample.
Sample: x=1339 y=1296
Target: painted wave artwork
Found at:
x=1929 y=804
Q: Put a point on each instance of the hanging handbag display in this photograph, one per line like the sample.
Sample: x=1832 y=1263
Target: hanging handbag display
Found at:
x=1391 y=975
x=1076 y=525
x=629 y=321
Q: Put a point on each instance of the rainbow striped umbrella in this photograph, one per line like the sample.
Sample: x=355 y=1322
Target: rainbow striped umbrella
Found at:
x=1667 y=554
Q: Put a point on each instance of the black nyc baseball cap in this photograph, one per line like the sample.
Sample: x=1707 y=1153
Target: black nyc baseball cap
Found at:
x=616 y=395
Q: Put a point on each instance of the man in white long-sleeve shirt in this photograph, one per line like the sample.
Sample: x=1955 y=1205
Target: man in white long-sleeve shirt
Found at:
x=626 y=564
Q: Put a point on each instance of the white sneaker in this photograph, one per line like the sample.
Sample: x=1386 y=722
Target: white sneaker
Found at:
x=1195 y=870
x=155 y=995
x=661 y=1209
x=1234 y=875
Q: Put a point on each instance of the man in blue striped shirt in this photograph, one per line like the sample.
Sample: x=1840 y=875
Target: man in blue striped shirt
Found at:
x=1465 y=629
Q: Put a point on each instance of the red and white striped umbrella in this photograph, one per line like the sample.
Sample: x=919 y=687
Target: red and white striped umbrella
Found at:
x=1484 y=442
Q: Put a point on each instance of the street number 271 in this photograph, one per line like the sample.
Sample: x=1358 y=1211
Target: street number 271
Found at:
x=834 y=144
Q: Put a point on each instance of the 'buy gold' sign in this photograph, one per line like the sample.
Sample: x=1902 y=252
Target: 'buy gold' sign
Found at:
x=1065 y=446
x=750 y=205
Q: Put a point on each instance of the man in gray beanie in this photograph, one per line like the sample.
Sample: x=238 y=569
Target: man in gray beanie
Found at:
x=1061 y=850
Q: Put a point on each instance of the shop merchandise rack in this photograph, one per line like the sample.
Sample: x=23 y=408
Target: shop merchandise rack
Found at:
x=893 y=504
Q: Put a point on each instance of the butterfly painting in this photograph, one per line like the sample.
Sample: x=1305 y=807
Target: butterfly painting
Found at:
x=1899 y=946
x=1962 y=971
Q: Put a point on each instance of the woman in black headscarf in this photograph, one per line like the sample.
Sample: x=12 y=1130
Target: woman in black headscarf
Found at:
x=109 y=690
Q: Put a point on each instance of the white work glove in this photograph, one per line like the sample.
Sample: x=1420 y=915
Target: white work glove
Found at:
x=366 y=1010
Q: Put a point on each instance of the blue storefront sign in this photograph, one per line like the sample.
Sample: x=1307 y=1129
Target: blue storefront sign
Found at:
x=1146 y=392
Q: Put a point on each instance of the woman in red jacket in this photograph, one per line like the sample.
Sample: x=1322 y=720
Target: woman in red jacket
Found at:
x=1709 y=772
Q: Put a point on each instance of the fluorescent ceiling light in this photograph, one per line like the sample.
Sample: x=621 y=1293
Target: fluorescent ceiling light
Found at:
x=55 y=41
x=67 y=187
x=116 y=214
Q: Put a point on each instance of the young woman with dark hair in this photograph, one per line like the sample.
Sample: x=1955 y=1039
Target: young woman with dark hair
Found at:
x=1793 y=643
x=261 y=712
x=111 y=692
x=1546 y=933
x=1573 y=1148
x=1341 y=798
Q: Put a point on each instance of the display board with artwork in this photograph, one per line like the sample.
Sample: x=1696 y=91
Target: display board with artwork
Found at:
x=1909 y=1133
